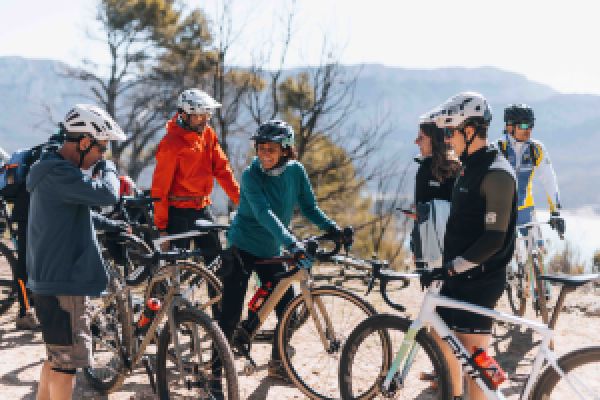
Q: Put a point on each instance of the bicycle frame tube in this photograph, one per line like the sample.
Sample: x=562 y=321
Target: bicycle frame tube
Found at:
x=278 y=292
x=162 y=239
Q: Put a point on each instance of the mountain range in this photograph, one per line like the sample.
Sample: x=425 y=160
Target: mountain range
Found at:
x=36 y=94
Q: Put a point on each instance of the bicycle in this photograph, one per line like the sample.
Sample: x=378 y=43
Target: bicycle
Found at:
x=391 y=375
x=525 y=281
x=186 y=347
x=136 y=211
x=312 y=329
x=8 y=289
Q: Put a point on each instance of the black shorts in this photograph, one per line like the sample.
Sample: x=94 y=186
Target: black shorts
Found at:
x=484 y=291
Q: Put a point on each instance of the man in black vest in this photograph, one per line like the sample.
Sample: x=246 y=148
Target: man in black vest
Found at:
x=480 y=234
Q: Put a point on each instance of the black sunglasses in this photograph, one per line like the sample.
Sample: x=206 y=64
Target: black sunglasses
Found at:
x=101 y=147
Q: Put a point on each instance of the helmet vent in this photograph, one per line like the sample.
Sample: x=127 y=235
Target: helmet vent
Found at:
x=72 y=116
x=96 y=127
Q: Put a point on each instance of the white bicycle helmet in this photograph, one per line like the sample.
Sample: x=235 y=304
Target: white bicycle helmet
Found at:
x=196 y=101
x=430 y=116
x=459 y=108
x=88 y=119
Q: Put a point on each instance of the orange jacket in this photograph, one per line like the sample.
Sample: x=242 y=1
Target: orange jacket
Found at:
x=186 y=163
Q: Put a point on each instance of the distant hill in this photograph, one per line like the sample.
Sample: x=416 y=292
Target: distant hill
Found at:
x=568 y=124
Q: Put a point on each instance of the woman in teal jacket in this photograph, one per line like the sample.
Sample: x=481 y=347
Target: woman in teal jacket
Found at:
x=272 y=185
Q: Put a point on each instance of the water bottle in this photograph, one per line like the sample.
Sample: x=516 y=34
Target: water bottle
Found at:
x=491 y=372
x=254 y=305
x=152 y=306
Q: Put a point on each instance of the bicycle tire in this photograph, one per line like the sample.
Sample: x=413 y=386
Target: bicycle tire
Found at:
x=516 y=286
x=388 y=323
x=313 y=361
x=200 y=319
x=123 y=331
x=8 y=289
x=539 y=290
x=548 y=387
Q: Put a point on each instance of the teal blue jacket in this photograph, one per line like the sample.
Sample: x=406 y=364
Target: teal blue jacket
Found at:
x=267 y=204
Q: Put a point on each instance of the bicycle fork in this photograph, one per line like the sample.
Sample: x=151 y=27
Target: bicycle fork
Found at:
x=327 y=336
x=408 y=351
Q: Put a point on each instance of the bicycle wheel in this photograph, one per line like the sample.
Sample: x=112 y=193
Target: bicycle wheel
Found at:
x=202 y=345
x=580 y=367
x=198 y=285
x=516 y=285
x=8 y=290
x=367 y=356
x=111 y=328
x=541 y=302
x=311 y=365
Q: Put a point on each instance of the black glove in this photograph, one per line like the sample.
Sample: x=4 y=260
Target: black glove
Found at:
x=557 y=223
x=335 y=233
x=428 y=276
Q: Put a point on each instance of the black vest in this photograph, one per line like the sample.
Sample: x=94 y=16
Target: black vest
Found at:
x=466 y=223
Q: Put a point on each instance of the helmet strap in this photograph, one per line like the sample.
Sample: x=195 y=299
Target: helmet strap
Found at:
x=82 y=153
x=468 y=142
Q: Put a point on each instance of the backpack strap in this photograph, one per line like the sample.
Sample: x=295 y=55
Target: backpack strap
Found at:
x=535 y=152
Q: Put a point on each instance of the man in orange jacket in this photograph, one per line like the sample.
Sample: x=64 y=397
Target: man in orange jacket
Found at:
x=188 y=158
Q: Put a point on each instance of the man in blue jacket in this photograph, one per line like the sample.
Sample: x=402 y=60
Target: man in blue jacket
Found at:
x=64 y=264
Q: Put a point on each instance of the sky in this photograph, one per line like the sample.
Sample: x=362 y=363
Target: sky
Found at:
x=552 y=42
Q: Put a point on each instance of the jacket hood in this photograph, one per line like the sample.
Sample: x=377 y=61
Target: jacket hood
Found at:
x=49 y=162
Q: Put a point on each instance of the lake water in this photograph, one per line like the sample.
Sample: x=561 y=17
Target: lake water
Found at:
x=583 y=232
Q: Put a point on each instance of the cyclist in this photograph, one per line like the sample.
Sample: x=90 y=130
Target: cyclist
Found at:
x=63 y=258
x=438 y=168
x=480 y=233
x=188 y=158
x=272 y=185
x=529 y=158
x=26 y=319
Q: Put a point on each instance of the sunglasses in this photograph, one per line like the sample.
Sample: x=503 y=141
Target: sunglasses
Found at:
x=449 y=132
x=101 y=147
x=524 y=126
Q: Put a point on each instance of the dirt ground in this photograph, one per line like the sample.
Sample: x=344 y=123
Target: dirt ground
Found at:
x=22 y=353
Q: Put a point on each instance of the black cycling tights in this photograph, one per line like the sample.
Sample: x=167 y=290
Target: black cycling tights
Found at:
x=235 y=285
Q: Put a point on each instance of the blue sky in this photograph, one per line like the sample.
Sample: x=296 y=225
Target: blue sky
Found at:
x=553 y=42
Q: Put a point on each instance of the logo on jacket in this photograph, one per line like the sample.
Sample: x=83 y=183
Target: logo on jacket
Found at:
x=490 y=217
x=434 y=183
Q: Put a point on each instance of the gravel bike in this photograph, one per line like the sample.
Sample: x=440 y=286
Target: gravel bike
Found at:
x=524 y=277
x=313 y=327
x=186 y=348
x=378 y=365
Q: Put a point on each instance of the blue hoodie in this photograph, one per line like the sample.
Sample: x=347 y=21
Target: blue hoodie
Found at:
x=266 y=207
x=63 y=256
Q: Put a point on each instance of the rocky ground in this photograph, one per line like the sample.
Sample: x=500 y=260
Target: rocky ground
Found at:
x=21 y=353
